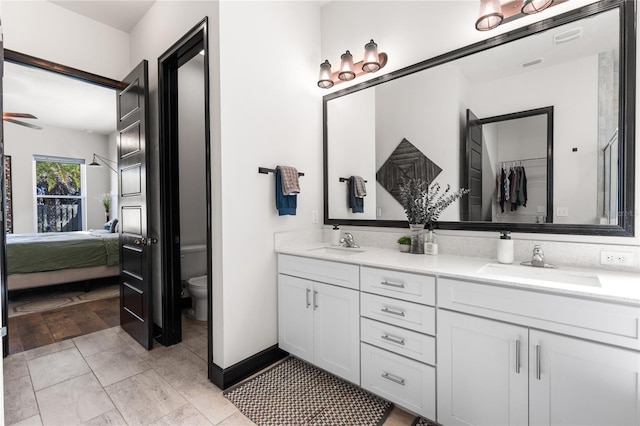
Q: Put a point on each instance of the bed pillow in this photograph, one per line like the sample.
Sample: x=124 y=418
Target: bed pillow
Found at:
x=111 y=226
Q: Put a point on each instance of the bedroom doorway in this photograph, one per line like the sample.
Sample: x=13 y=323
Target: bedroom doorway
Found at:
x=185 y=174
x=67 y=194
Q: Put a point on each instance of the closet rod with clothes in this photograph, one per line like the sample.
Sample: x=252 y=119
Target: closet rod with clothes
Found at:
x=522 y=159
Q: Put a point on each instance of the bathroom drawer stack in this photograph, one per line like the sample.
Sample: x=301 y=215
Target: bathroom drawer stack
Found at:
x=397 y=333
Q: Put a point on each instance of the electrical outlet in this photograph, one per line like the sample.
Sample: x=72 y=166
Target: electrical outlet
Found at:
x=619 y=258
x=314 y=216
x=562 y=211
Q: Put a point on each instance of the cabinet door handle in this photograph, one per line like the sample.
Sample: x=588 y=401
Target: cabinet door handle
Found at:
x=315 y=299
x=392 y=311
x=517 y=356
x=393 y=378
x=393 y=339
x=387 y=283
x=538 y=362
x=308 y=302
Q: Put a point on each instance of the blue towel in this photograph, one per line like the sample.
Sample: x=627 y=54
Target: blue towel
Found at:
x=356 y=204
x=286 y=204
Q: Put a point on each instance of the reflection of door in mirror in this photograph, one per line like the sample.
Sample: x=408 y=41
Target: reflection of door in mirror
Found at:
x=509 y=167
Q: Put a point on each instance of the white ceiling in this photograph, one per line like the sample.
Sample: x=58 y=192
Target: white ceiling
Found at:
x=64 y=102
x=120 y=14
x=58 y=101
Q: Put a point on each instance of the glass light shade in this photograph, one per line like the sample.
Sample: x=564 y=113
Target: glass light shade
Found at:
x=534 y=6
x=325 y=81
x=371 y=59
x=346 y=67
x=490 y=15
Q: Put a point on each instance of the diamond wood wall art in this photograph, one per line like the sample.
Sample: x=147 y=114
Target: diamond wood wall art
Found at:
x=405 y=162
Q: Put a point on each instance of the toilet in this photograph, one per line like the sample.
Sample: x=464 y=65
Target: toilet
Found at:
x=194 y=271
x=197 y=287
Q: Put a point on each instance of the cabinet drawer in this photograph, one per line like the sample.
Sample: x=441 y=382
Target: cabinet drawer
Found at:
x=590 y=319
x=399 y=340
x=342 y=274
x=406 y=382
x=401 y=285
x=409 y=315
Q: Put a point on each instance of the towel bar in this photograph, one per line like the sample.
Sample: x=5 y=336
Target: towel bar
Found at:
x=265 y=171
x=348 y=179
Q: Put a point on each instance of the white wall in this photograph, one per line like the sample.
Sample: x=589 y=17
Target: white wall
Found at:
x=191 y=153
x=22 y=143
x=405 y=109
x=271 y=114
x=352 y=150
x=44 y=30
x=264 y=79
x=414 y=31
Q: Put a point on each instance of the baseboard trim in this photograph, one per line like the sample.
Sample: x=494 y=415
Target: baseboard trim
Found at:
x=227 y=377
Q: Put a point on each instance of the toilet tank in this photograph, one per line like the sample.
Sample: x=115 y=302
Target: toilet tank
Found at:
x=193 y=260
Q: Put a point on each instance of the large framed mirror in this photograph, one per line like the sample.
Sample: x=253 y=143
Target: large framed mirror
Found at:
x=572 y=76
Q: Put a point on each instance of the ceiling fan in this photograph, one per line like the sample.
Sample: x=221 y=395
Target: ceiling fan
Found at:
x=11 y=116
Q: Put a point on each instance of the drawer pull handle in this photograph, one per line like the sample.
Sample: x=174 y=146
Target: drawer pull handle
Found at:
x=538 y=362
x=393 y=378
x=308 y=302
x=387 y=283
x=393 y=312
x=315 y=299
x=517 y=356
x=393 y=339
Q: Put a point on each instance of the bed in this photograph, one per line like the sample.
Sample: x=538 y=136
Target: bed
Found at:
x=36 y=260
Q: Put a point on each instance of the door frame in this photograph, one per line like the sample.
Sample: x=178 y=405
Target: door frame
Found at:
x=87 y=77
x=182 y=51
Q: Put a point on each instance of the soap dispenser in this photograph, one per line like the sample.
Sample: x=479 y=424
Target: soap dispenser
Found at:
x=335 y=236
x=505 y=247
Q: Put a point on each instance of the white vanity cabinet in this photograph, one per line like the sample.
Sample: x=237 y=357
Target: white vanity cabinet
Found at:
x=318 y=314
x=531 y=370
x=398 y=324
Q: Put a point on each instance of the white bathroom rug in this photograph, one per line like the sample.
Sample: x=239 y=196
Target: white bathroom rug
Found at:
x=296 y=393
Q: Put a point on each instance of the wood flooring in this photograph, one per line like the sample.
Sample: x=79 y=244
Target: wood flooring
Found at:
x=43 y=328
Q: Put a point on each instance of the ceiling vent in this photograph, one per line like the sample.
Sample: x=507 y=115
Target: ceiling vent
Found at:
x=567 y=36
x=531 y=63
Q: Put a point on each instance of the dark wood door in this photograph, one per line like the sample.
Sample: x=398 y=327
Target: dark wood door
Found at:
x=3 y=256
x=474 y=161
x=135 y=241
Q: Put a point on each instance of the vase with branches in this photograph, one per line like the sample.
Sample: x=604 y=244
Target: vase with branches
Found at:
x=423 y=204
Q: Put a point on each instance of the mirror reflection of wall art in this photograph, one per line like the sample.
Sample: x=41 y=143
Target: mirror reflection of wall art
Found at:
x=8 y=195
x=405 y=162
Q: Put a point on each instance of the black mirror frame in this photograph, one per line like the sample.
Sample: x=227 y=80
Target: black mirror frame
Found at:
x=626 y=131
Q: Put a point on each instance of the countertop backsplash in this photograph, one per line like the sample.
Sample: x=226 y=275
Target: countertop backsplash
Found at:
x=573 y=254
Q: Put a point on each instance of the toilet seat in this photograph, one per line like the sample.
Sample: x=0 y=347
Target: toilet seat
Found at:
x=200 y=281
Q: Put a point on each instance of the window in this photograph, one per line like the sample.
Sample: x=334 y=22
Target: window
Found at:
x=59 y=196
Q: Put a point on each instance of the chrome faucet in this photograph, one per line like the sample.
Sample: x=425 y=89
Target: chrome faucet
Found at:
x=537 y=259
x=348 y=241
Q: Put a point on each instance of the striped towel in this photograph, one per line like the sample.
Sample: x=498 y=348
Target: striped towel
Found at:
x=359 y=186
x=290 y=180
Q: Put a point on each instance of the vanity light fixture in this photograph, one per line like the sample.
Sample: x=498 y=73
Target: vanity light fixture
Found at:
x=534 y=6
x=372 y=62
x=346 y=67
x=496 y=12
x=490 y=15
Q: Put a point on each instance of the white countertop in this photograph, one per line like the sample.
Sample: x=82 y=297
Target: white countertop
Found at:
x=621 y=287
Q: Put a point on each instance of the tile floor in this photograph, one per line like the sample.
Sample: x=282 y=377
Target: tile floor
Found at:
x=107 y=378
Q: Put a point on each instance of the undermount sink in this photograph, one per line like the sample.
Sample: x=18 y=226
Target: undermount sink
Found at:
x=540 y=274
x=339 y=251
